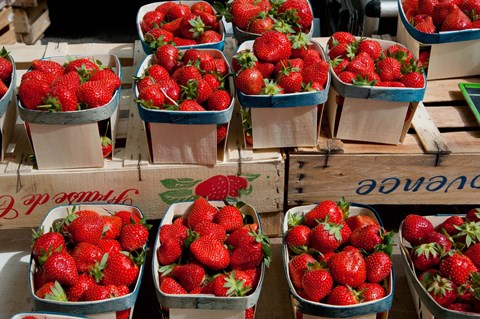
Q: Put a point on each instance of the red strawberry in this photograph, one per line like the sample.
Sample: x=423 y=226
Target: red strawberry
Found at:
x=426 y=25
x=358 y=221
x=317 y=72
x=175 y=230
x=77 y=291
x=210 y=36
x=128 y=217
x=226 y=285
x=192 y=26
x=272 y=46
x=473 y=215
x=457 y=267
x=372 y=47
x=210 y=229
x=198 y=90
x=450 y=225
x=473 y=252
x=326 y=210
x=107 y=74
x=6 y=66
x=44 y=244
x=32 y=93
x=83 y=66
x=413 y=80
x=219 y=100
x=389 y=69
x=109 y=245
x=342 y=296
x=133 y=236
x=201 y=6
x=61 y=267
x=152 y=19
x=190 y=276
x=378 y=265
x=471 y=8
x=201 y=210
x=51 y=290
x=222 y=130
x=439 y=238
x=95 y=93
x=211 y=253
x=249 y=81
x=261 y=24
x=457 y=20
x=120 y=270
x=178 y=10
x=317 y=283
x=171 y=286
x=326 y=237
x=371 y=291
x=290 y=80
x=348 y=268
x=168 y=56
x=123 y=314
x=243 y=13
x=48 y=66
x=86 y=228
x=297 y=238
x=247 y=256
x=369 y=237
x=112 y=226
x=297 y=11
x=442 y=290
x=415 y=227
x=169 y=252
x=298 y=266
x=86 y=255
x=97 y=292
x=229 y=217
x=347 y=77
x=340 y=37
x=426 y=6
x=362 y=64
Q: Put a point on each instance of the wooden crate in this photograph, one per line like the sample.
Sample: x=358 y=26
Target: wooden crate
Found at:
x=31 y=22
x=128 y=177
x=437 y=163
x=7 y=28
x=25 y=3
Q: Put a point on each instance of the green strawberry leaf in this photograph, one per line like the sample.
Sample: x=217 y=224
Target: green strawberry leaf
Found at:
x=251 y=177
x=172 y=183
x=179 y=195
x=247 y=191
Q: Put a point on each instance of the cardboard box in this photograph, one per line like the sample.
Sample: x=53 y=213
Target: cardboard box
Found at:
x=425 y=305
x=370 y=113
x=72 y=139
x=447 y=49
x=377 y=309
x=101 y=309
x=151 y=6
x=203 y=305
x=180 y=137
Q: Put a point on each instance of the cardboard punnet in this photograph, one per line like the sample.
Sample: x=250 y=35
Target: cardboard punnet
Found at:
x=101 y=309
x=316 y=310
x=201 y=305
x=447 y=49
x=63 y=140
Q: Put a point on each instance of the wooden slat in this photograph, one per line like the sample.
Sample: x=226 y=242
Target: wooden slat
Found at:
x=428 y=133
x=446 y=90
x=452 y=117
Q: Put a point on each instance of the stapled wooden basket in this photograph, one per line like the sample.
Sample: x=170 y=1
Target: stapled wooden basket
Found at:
x=7 y=98
x=200 y=306
x=447 y=48
x=316 y=310
x=151 y=6
x=425 y=305
x=104 y=309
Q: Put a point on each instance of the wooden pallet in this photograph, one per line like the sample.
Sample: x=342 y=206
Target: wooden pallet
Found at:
x=31 y=21
x=436 y=164
x=7 y=28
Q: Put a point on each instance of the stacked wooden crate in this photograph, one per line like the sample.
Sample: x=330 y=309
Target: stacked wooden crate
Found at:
x=31 y=19
x=7 y=29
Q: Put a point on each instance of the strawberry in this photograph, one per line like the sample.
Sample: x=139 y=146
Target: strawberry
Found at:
x=471 y=8
x=197 y=90
x=243 y=13
x=171 y=90
x=61 y=99
x=171 y=286
x=175 y=230
x=250 y=277
x=441 y=10
x=6 y=66
x=451 y=225
x=109 y=245
x=51 y=290
x=127 y=217
x=201 y=210
x=413 y=80
x=86 y=228
x=86 y=255
x=297 y=238
x=456 y=20
x=439 y=238
x=169 y=252
x=340 y=37
x=473 y=252
x=442 y=290
x=457 y=267
x=378 y=265
x=250 y=313
x=77 y=291
x=362 y=64
x=241 y=237
x=152 y=97
x=192 y=26
x=358 y=221
x=317 y=283
x=85 y=67
x=213 y=188
x=247 y=256
x=112 y=225
x=426 y=6
x=48 y=66
x=389 y=69
x=371 y=291
x=298 y=12
x=123 y=314
x=348 y=268
x=261 y=24
x=44 y=244
x=157 y=72
x=219 y=100
x=347 y=77
x=168 y=56
x=95 y=93
x=473 y=215
x=183 y=42
x=211 y=253
x=326 y=237
x=151 y=19
x=230 y=217
x=298 y=266
x=97 y=292
x=190 y=276
x=61 y=267
x=222 y=131
x=343 y=296
x=249 y=81
x=108 y=75
x=133 y=236
x=120 y=270
x=201 y=6
x=426 y=25
x=226 y=285
x=415 y=227
x=32 y=92
x=272 y=46
x=371 y=47
x=462 y=307
x=210 y=36
x=317 y=72
x=326 y=210
x=210 y=229
x=370 y=237
x=290 y=80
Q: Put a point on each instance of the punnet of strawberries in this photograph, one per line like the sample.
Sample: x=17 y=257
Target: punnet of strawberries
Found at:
x=434 y=16
x=445 y=255
x=79 y=83
x=364 y=61
x=186 y=23
x=335 y=257
x=89 y=256
x=287 y=16
x=216 y=251
x=6 y=69
x=277 y=63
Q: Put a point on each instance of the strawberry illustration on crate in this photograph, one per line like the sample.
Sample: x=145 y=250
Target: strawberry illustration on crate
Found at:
x=88 y=255
x=440 y=257
x=230 y=254
x=330 y=265
x=217 y=187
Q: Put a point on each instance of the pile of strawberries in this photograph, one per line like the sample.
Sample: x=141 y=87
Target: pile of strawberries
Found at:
x=6 y=69
x=446 y=258
x=335 y=258
x=180 y=25
x=364 y=62
x=189 y=80
x=433 y=16
x=290 y=16
x=211 y=250
x=81 y=83
x=87 y=256
x=279 y=63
